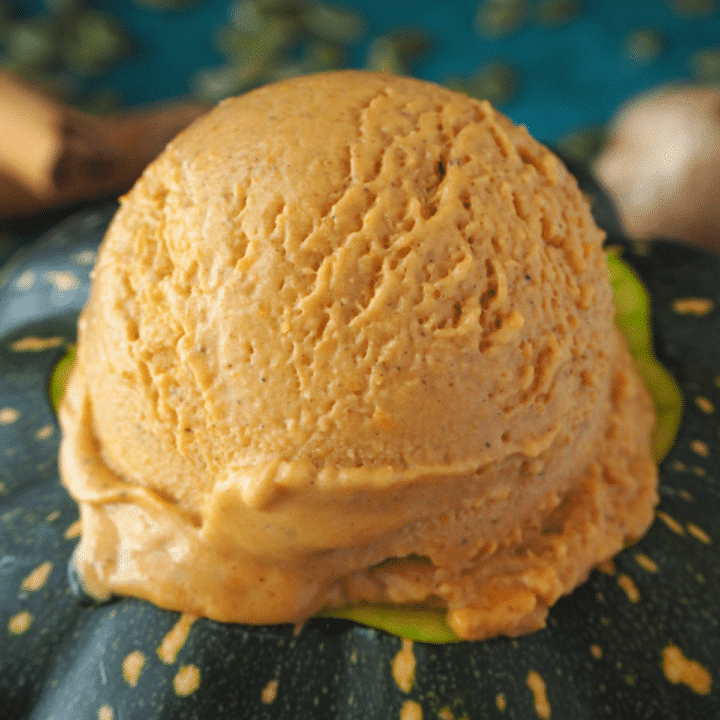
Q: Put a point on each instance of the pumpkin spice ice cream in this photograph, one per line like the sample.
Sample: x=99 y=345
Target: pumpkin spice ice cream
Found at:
x=350 y=339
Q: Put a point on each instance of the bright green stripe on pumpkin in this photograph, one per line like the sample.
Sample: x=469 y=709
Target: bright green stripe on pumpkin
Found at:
x=59 y=377
x=633 y=320
x=413 y=623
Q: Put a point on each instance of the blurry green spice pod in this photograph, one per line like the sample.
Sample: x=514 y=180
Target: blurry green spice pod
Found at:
x=165 y=4
x=32 y=43
x=496 y=18
x=644 y=44
x=64 y=8
x=333 y=22
x=384 y=55
x=705 y=64
x=584 y=144
x=496 y=82
x=557 y=12
x=93 y=42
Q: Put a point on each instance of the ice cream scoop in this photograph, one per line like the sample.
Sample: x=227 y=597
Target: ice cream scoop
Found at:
x=350 y=339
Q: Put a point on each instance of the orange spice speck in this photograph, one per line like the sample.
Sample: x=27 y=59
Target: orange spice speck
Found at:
x=36 y=344
x=172 y=642
x=74 y=530
x=699 y=533
x=8 y=415
x=646 y=563
x=693 y=306
x=627 y=584
x=411 y=710
x=269 y=692
x=699 y=447
x=403 y=666
x=19 y=623
x=537 y=685
x=187 y=680
x=679 y=669
x=673 y=524
x=132 y=667
x=704 y=404
x=37 y=578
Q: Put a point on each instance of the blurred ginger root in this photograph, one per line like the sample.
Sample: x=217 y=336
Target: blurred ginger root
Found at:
x=52 y=155
x=661 y=165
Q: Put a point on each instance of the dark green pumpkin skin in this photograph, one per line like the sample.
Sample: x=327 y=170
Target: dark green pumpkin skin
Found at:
x=601 y=655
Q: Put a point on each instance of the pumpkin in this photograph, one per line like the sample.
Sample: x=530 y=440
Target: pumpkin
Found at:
x=640 y=639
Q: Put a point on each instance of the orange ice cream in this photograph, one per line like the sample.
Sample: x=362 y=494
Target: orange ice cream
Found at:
x=350 y=338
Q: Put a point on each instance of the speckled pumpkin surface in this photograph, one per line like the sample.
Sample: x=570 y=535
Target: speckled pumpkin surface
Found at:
x=640 y=639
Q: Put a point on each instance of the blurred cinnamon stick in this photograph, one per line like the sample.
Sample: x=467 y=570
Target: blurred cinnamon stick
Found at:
x=52 y=155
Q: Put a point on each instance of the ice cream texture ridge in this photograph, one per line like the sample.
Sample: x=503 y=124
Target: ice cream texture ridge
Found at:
x=350 y=339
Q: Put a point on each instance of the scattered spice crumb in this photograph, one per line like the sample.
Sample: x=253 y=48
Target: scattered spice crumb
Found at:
x=44 y=432
x=8 y=415
x=679 y=466
x=269 y=692
x=596 y=651
x=20 y=623
x=693 y=306
x=501 y=702
x=85 y=257
x=411 y=710
x=679 y=669
x=646 y=563
x=132 y=667
x=53 y=516
x=700 y=472
x=699 y=533
x=172 y=642
x=25 y=281
x=36 y=344
x=685 y=495
x=673 y=524
x=37 y=578
x=607 y=567
x=74 y=530
x=628 y=585
x=106 y=713
x=537 y=685
x=699 y=447
x=403 y=666
x=62 y=280
x=187 y=680
x=704 y=404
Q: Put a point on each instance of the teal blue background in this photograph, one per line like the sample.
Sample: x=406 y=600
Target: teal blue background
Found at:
x=570 y=76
